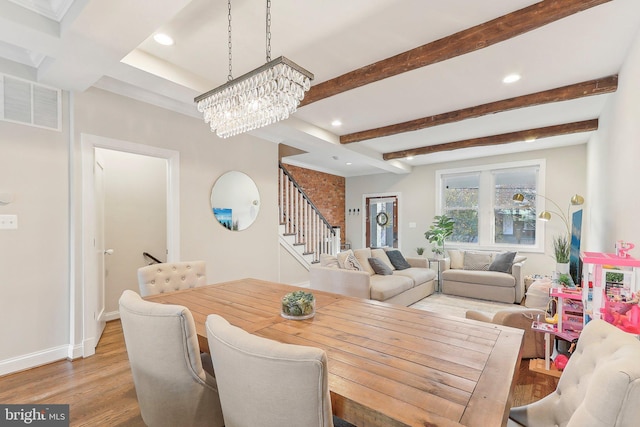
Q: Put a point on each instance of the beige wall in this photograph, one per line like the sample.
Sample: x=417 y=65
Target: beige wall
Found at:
x=38 y=168
x=203 y=158
x=135 y=218
x=291 y=271
x=565 y=176
x=614 y=165
x=34 y=259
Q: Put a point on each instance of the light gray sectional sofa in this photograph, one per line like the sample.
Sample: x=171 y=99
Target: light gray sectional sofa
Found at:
x=351 y=273
x=469 y=274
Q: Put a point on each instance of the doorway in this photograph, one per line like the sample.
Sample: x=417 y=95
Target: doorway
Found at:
x=381 y=221
x=92 y=298
x=135 y=220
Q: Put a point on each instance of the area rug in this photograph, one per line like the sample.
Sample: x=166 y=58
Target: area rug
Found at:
x=458 y=306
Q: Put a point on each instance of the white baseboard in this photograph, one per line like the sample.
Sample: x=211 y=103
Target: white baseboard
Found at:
x=75 y=352
x=28 y=361
x=112 y=315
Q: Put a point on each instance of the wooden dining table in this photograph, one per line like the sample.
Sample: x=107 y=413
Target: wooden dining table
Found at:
x=388 y=365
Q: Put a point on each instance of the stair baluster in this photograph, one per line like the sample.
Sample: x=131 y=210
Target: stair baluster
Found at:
x=302 y=219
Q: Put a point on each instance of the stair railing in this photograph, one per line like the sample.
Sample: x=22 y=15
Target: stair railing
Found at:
x=303 y=219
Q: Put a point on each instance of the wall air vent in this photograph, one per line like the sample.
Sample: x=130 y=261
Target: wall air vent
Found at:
x=29 y=103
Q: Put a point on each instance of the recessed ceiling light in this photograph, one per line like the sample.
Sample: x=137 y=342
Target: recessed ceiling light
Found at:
x=410 y=158
x=530 y=139
x=349 y=163
x=336 y=123
x=163 y=39
x=511 y=78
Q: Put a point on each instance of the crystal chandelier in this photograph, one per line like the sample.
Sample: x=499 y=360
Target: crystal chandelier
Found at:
x=258 y=98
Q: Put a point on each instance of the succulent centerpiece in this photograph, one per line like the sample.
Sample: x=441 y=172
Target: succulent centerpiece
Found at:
x=298 y=305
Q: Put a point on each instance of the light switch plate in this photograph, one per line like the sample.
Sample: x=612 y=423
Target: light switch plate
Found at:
x=412 y=225
x=8 y=222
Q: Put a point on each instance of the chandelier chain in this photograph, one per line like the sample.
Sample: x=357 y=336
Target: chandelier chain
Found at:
x=268 y=30
x=261 y=97
x=230 y=77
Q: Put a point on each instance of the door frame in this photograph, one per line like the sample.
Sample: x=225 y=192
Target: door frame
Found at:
x=398 y=196
x=86 y=323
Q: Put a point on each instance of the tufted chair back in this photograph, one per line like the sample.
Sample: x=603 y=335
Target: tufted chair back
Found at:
x=171 y=385
x=599 y=387
x=266 y=383
x=168 y=277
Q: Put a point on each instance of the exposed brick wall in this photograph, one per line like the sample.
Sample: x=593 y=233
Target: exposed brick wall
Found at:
x=325 y=191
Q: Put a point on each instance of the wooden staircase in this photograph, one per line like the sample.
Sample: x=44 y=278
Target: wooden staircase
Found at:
x=304 y=232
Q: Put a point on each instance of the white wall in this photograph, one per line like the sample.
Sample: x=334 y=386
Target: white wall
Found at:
x=34 y=259
x=565 y=176
x=291 y=271
x=135 y=218
x=203 y=158
x=37 y=165
x=614 y=164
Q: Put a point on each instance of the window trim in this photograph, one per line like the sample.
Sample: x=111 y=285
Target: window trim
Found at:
x=486 y=222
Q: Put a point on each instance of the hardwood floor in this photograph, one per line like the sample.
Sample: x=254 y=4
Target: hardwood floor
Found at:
x=100 y=392
x=99 y=389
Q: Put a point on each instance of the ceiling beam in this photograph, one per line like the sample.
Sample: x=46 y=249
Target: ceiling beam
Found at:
x=505 y=138
x=593 y=87
x=460 y=43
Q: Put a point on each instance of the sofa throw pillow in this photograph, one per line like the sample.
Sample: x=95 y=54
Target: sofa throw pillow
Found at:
x=398 y=260
x=351 y=263
x=457 y=258
x=381 y=254
x=502 y=262
x=328 y=261
x=476 y=261
x=363 y=255
x=342 y=256
x=380 y=267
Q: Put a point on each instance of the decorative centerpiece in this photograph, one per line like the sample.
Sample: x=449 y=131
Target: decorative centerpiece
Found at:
x=298 y=305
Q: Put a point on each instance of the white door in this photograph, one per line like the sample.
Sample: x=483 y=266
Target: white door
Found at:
x=95 y=272
x=91 y=299
x=100 y=251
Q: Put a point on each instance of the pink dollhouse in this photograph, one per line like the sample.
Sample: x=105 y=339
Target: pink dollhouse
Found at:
x=611 y=289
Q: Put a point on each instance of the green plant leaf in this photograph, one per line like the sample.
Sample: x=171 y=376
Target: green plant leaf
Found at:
x=561 y=248
x=440 y=229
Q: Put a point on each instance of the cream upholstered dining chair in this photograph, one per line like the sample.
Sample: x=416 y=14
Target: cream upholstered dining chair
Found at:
x=266 y=383
x=600 y=386
x=521 y=318
x=168 y=277
x=172 y=387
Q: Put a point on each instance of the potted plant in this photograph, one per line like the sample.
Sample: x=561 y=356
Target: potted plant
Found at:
x=566 y=281
x=420 y=251
x=438 y=232
x=561 y=251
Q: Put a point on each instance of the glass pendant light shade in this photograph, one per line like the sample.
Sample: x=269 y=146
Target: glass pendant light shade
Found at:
x=259 y=98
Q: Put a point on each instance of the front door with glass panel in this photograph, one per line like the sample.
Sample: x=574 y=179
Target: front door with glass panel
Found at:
x=382 y=222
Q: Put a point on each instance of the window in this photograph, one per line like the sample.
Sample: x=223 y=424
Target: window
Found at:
x=480 y=200
x=460 y=194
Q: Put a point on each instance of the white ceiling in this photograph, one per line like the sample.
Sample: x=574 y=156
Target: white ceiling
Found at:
x=77 y=44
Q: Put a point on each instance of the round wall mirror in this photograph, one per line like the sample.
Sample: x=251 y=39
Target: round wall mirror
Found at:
x=235 y=200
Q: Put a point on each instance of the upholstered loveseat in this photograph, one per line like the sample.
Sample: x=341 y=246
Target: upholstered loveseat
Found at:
x=489 y=275
x=376 y=274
